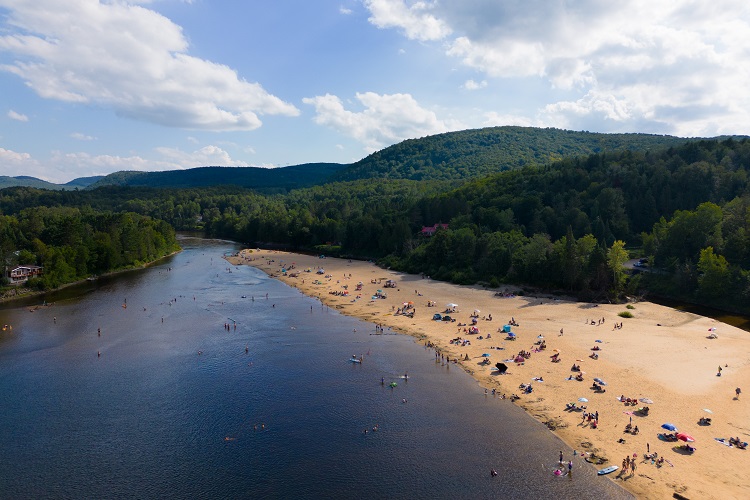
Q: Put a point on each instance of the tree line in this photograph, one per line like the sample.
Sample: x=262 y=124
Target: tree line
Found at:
x=566 y=225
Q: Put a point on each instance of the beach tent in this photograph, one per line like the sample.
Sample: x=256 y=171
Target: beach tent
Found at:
x=502 y=367
x=437 y=317
x=519 y=359
x=506 y=328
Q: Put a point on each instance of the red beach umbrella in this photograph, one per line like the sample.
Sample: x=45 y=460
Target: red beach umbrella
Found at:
x=685 y=437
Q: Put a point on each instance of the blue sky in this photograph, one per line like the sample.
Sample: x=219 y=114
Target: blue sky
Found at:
x=90 y=87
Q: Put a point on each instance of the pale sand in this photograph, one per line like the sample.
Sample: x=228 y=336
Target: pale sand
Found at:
x=674 y=364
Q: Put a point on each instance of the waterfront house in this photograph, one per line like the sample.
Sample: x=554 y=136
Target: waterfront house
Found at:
x=20 y=274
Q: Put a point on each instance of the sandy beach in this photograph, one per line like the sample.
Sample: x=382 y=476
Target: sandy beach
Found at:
x=660 y=355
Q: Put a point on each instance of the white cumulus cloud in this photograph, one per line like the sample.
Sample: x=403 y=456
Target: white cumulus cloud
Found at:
x=13 y=115
x=672 y=67
x=472 y=85
x=385 y=119
x=414 y=18
x=122 y=55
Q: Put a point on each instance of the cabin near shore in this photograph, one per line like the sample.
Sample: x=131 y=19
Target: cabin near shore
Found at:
x=20 y=274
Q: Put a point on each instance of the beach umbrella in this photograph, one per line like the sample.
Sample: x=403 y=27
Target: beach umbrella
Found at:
x=540 y=336
x=519 y=359
x=685 y=437
x=669 y=427
x=477 y=311
x=597 y=340
x=583 y=400
x=502 y=367
x=486 y=355
x=452 y=305
x=555 y=350
x=646 y=400
x=597 y=379
x=511 y=334
x=707 y=410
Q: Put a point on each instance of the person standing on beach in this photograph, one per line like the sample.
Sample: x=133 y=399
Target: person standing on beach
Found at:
x=561 y=456
x=737 y=391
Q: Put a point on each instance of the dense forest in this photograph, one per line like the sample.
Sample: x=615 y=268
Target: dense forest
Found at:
x=474 y=153
x=567 y=225
x=265 y=180
x=73 y=244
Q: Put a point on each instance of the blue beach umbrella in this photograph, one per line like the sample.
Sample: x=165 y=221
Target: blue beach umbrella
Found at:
x=486 y=355
x=511 y=334
x=669 y=427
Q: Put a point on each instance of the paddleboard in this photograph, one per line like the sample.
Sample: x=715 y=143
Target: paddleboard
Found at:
x=607 y=470
x=355 y=360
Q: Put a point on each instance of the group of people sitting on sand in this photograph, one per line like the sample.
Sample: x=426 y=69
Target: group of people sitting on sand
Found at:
x=631 y=429
x=524 y=354
x=512 y=322
x=575 y=368
x=736 y=442
x=527 y=388
x=598 y=388
x=628 y=401
x=555 y=358
x=655 y=458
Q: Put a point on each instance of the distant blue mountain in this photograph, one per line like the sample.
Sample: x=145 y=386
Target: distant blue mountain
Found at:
x=280 y=179
x=28 y=181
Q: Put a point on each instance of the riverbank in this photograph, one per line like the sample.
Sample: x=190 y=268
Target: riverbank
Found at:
x=18 y=292
x=660 y=354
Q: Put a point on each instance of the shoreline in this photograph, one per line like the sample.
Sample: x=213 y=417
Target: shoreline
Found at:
x=36 y=293
x=661 y=354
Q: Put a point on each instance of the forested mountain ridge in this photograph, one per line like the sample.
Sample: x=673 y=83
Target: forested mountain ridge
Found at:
x=561 y=225
x=474 y=153
x=268 y=180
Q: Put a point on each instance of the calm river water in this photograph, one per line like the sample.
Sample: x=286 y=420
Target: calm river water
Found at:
x=174 y=406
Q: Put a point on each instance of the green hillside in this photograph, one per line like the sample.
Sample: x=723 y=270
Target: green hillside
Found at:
x=474 y=153
x=267 y=180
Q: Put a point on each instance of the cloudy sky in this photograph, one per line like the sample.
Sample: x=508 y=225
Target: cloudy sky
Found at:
x=89 y=87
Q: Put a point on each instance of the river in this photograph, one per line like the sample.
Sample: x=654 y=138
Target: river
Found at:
x=132 y=387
